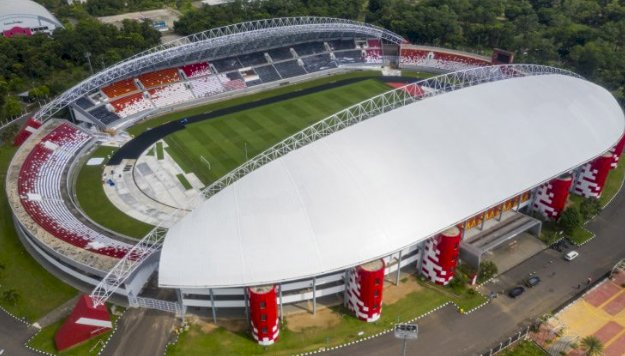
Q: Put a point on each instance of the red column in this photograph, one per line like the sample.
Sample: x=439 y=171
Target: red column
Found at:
x=617 y=151
x=264 y=314
x=441 y=256
x=591 y=179
x=85 y=322
x=551 y=197
x=364 y=290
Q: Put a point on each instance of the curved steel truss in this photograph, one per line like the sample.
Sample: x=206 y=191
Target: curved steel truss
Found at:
x=245 y=37
x=127 y=265
x=380 y=104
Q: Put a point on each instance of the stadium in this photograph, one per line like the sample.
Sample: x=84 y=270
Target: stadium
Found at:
x=323 y=192
x=26 y=18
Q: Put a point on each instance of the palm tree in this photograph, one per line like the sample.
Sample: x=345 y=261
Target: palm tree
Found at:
x=10 y=296
x=592 y=346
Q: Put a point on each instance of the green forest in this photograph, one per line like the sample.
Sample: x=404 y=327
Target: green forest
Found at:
x=587 y=36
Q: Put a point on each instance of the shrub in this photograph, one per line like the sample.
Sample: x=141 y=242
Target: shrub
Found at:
x=569 y=220
x=589 y=208
x=488 y=269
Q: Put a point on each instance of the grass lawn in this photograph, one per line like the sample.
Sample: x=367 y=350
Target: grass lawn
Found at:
x=416 y=75
x=224 y=141
x=524 y=348
x=580 y=235
x=183 y=180
x=613 y=184
x=44 y=341
x=39 y=291
x=159 y=150
x=97 y=206
x=223 y=342
x=142 y=126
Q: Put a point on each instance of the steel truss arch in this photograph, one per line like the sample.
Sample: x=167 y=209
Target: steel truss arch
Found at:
x=127 y=265
x=379 y=104
x=223 y=41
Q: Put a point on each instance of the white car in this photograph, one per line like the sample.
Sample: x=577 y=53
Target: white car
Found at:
x=571 y=255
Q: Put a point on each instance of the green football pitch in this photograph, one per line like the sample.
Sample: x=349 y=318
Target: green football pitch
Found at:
x=214 y=147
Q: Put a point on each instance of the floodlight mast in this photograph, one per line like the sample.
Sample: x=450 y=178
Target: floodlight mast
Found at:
x=405 y=332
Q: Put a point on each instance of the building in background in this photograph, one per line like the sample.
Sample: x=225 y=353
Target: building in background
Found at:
x=25 y=18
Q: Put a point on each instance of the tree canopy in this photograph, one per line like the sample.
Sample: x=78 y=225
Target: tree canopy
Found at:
x=587 y=36
x=48 y=65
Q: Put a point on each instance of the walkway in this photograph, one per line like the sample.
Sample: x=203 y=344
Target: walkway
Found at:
x=141 y=332
x=13 y=335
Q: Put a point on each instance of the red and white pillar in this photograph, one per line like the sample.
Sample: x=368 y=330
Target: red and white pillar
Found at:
x=363 y=290
x=591 y=179
x=264 y=314
x=617 y=151
x=85 y=322
x=440 y=256
x=551 y=197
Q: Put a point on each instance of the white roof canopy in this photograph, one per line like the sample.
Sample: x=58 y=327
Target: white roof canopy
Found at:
x=388 y=182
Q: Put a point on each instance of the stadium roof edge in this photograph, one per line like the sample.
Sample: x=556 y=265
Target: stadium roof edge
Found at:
x=244 y=32
x=340 y=201
x=378 y=104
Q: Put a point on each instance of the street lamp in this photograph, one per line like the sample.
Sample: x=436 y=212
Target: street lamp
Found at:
x=88 y=56
x=405 y=332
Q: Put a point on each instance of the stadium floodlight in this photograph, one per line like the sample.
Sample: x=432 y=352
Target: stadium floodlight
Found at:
x=406 y=332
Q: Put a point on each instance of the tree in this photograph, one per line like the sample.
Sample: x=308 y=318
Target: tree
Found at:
x=39 y=92
x=4 y=90
x=589 y=208
x=488 y=269
x=592 y=346
x=8 y=133
x=10 y=296
x=569 y=220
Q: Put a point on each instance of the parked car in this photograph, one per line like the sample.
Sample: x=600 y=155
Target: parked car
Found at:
x=516 y=291
x=571 y=255
x=562 y=245
x=532 y=281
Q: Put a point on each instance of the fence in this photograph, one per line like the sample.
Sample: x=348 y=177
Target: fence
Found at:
x=520 y=335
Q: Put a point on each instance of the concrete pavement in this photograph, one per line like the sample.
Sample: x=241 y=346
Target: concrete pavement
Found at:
x=141 y=332
x=446 y=332
x=13 y=335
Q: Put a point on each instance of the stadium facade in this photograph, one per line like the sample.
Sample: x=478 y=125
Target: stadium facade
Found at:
x=399 y=181
x=25 y=18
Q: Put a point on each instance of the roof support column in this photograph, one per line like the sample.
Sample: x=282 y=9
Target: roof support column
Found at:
x=314 y=285
x=213 y=310
x=532 y=199
x=482 y=223
x=247 y=307
x=345 y=283
x=280 y=298
x=398 y=268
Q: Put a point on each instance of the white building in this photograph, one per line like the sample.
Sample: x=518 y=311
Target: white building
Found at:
x=25 y=18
